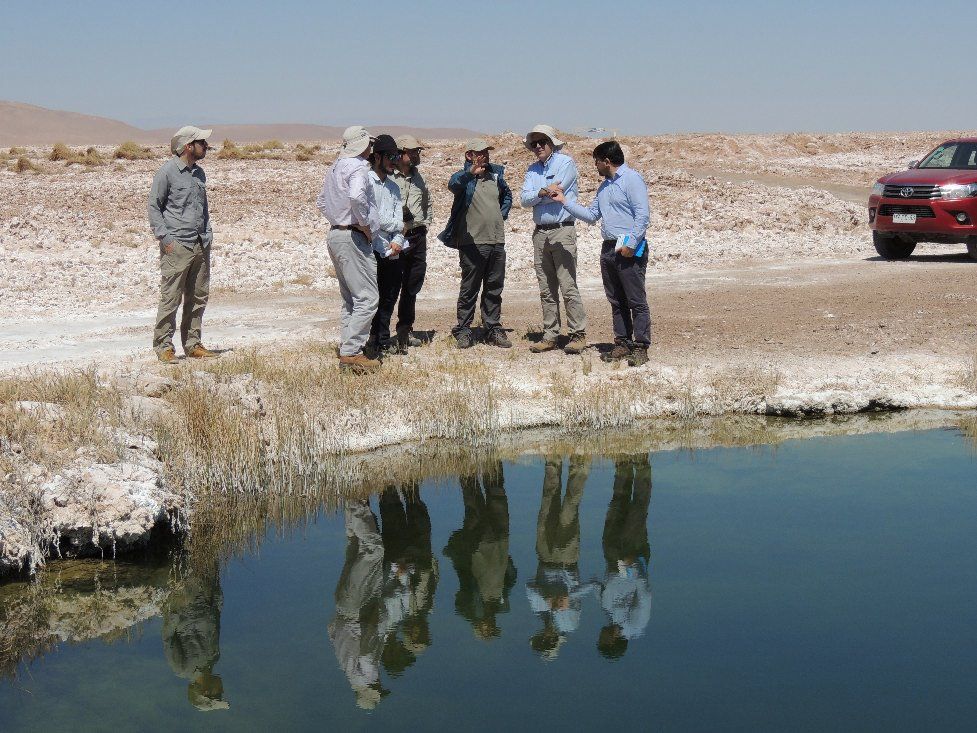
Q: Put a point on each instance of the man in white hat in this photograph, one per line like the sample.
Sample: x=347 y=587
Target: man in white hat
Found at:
x=417 y=218
x=180 y=220
x=348 y=203
x=482 y=201
x=554 y=239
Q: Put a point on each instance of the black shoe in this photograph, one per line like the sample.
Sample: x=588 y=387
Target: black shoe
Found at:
x=464 y=339
x=638 y=356
x=497 y=337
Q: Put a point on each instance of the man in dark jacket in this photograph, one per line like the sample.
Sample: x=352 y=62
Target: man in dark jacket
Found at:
x=476 y=229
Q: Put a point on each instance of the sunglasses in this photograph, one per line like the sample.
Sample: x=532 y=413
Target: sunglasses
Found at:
x=392 y=156
x=538 y=143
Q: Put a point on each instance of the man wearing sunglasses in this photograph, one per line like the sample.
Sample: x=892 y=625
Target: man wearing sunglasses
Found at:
x=388 y=242
x=180 y=220
x=554 y=239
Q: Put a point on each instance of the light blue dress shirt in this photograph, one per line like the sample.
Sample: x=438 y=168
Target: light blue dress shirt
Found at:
x=621 y=205
x=558 y=168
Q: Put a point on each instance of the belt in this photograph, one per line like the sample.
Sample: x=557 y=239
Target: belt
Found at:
x=343 y=227
x=545 y=227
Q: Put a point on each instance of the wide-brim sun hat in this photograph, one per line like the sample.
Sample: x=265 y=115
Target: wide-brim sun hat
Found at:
x=356 y=140
x=547 y=130
x=187 y=134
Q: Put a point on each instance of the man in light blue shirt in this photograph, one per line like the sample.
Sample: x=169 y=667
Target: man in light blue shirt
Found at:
x=554 y=239
x=621 y=205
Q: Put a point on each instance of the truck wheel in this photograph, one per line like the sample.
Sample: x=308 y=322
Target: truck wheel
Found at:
x=972 y=247
x=892 y=248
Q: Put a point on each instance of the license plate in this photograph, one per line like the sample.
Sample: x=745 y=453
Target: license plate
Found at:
x=903 y=218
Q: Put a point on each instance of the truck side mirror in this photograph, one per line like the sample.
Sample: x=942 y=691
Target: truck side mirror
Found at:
x=913 y=164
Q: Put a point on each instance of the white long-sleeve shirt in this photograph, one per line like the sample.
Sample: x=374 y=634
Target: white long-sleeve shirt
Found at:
x=391 y=228
x=347 y=198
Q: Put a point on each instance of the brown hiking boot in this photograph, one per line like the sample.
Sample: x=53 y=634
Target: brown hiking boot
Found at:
x=540 y=346
x=358 y=364
x=639 y=356
x=199 y=352
x=167 y=355
x=620 y=351
x=576 y=345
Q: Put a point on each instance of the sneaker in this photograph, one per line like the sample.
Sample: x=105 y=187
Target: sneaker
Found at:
x=464 y=339
x=620 y=351
x=576 y=344
x=497 y=337
x=358 y=364
x=543 y=346
x=406 y=341
x=199 y=352
x=167 y=355
x=639 y=356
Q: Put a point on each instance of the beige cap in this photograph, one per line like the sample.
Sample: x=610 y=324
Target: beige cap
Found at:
x=186 y=135
x=547 y=130
x=356 y=140
x=408 y=142
x=477 y=144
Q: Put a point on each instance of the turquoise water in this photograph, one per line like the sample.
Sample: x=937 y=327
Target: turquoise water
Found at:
x=822 y=584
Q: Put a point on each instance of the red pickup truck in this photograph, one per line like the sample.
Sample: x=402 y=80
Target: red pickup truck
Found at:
x=934 y=201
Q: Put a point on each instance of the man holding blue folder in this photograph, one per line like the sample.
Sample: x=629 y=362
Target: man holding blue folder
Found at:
x=621 y=205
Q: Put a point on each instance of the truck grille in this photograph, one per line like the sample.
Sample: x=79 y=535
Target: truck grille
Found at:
x=923 y=212
x=894 y=191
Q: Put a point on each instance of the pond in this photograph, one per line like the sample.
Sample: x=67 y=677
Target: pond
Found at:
x=828 y=583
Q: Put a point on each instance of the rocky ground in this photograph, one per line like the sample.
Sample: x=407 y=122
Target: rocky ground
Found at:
x=766 y=293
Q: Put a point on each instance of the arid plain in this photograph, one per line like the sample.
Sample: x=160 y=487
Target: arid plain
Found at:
x=767 y=299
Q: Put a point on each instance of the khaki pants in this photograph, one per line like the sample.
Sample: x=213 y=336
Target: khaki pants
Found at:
x=184 y=275
x=356 y=270
x=555 y=256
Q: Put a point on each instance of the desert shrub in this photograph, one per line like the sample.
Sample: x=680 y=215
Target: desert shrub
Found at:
x=131 y=151
x=18 y=151
x=92 y=157
x=230 y=151
x=303 y=155
x=60 y=151
x=273 y=145
x=24 y=165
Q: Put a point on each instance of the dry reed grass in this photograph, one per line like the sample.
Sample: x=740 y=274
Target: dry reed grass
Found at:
x=25 y=165
x=61 y=152
x=132 y=151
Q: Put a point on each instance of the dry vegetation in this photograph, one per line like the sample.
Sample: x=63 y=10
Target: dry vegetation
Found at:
x=270 y=150
x=132 y=151
x=61 y=152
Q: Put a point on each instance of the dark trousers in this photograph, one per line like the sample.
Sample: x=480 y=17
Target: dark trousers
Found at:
x=415 y=267
x=390 y=278
x=624 y=286
x=482 y=268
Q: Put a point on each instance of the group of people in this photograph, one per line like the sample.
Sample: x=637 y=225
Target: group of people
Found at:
x=378 y=206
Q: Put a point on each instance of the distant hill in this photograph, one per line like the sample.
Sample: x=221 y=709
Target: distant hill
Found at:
x=26 y=124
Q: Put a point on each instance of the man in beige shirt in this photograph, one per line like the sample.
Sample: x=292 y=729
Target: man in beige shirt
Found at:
x=417 y=218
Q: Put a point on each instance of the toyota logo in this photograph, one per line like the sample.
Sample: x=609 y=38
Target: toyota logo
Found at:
x=906 y=193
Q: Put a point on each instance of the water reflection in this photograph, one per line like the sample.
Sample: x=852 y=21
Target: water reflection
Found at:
x=556 y=593
x=479 y=552
x=385 y=591
x=191 y=635
x=625 y=595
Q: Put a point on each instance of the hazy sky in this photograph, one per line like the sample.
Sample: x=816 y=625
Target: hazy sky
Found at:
x=638 y=67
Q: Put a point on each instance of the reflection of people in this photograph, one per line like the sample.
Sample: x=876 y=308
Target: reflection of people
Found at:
x=411 y=576
x=355 y=632
x=626 y=594
x=191 y=636
x=555 y=593
x=479 y=552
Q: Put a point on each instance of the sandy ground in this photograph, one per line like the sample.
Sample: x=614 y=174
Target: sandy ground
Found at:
x=760 y=253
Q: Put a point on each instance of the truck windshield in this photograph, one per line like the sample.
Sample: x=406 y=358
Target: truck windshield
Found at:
x=962 y=156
